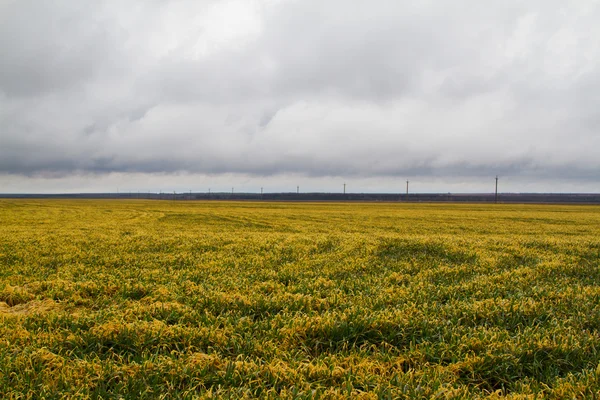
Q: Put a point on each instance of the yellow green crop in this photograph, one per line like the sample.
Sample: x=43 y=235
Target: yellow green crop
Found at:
x=159 y=299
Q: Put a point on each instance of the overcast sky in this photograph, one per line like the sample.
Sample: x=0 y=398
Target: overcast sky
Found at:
x=190 y=95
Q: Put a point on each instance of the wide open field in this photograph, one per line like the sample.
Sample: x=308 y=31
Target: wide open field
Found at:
x=185 y=299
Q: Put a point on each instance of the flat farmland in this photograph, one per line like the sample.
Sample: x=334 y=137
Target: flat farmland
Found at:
x=164 y=299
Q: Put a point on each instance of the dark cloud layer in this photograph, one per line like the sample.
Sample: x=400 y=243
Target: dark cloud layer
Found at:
x=311 y=88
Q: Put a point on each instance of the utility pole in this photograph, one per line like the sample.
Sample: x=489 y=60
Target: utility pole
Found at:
x=297 y=189
x=407 y=189
x=496 y=195
x=231 y=190
x=344 y=188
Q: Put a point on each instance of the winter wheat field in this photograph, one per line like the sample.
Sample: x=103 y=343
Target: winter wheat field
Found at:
x=159 y=299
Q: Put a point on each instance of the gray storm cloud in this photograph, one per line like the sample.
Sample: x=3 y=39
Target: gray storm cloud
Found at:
x=316 y=88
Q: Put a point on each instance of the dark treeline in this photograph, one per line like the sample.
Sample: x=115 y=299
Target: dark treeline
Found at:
x=581 y=198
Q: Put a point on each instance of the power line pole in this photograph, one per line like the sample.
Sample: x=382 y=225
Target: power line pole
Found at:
x=496 y=195
x=344 y=188
x=297 y=189
x=407 y=189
